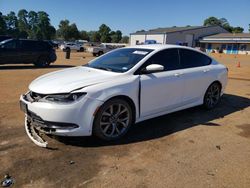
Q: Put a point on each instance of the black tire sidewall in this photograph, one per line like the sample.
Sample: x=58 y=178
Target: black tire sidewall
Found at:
x=42 y=62
x=96 y=125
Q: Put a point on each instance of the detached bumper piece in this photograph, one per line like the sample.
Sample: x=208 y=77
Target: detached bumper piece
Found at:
x=35 y=125
x=34 y=135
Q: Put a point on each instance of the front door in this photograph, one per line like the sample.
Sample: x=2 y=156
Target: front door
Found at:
x=9 y=52
x=162 y=91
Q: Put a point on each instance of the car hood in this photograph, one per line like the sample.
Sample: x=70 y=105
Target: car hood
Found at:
x=67 y=80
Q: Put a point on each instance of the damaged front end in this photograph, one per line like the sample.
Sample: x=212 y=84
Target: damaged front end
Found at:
x=36 y=127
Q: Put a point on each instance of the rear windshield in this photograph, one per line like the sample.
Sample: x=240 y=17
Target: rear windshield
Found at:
x=120 y=60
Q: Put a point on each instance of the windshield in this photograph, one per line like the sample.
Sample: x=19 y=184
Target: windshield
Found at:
x=120 y=60
x=5 y=41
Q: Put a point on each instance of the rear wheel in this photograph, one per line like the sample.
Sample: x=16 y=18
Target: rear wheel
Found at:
x=81 y=49
x=113 y=120
x=100 y=53
x=212 y=96
x=42 y=62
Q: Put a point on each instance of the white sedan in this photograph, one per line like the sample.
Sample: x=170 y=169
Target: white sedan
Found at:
x=125 y=86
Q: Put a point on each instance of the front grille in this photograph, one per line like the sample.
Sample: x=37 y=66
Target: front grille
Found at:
x=37 y=121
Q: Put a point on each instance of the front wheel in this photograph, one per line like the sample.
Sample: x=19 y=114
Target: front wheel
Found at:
x=113 y=120
x=212 y=96
x=42 y=62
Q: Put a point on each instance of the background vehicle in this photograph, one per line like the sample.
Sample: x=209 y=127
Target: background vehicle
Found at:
x=22 y=51
x=125 y=86
x=4 y=37
x=72 y=46
x=104 y=48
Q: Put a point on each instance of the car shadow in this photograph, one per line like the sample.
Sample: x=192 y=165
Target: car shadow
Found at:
x=168 y=124
x=21 y=67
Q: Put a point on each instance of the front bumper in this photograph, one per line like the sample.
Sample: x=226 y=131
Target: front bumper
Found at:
x=74 y=119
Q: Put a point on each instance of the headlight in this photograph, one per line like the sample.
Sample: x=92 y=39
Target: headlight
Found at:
x=64 y=98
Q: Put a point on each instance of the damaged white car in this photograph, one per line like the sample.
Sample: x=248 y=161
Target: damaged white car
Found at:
x=125 y=86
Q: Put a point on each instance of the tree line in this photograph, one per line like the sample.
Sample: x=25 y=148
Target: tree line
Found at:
x=36 y=25
x=223 y=22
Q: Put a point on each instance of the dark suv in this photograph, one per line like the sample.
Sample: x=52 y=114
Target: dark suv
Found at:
x=22 y=51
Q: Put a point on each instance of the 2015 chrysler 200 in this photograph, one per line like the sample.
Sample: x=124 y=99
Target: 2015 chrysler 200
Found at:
x=120 y=88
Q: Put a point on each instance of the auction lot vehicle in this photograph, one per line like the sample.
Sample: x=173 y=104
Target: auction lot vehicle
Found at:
x=22 y=51
x=104 y=48
x=4 y=37
x=120 y=88
x=72 y=46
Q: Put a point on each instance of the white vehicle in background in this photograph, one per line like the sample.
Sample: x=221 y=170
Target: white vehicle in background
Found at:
x=72 y=46
x=120 y=88
x=104 y=48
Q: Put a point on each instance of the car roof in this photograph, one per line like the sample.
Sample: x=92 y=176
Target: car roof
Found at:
x=158 y=46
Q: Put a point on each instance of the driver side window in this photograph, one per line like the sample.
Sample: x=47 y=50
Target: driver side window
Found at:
x=168 y=58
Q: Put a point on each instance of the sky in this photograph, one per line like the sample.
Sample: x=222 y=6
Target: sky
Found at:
x=131 y=15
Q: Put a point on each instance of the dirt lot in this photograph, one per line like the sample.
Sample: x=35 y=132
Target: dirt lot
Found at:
x=191 y=148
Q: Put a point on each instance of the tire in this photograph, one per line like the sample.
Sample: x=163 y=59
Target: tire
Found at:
x=81 y=49
x=113 y=120
x=94 y=54
x=212 y=96
x=100 y=53
x=42 y=62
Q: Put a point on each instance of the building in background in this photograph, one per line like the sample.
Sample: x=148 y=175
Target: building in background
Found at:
x=229 y=43
x=188 y=36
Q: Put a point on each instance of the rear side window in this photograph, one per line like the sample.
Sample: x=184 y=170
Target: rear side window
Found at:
x=27 y=45
x=40 y=45
x=190 y=58
x=168 y=58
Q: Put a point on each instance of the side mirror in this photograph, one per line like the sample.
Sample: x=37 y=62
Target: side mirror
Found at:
x=152 y=69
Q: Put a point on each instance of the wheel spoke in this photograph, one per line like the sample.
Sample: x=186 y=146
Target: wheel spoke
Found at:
x=122 y=123
x=123 y=119
x=117 y=130
x=106 y=114
x=106 y=128
x=104 y=123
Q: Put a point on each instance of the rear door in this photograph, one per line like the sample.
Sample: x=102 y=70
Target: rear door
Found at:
x=28 y=51
x=162 y=91
x=196 y=70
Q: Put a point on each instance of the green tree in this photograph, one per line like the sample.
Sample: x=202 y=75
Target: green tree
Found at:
x=104 y=32
x=125 y=39
x=3 y=27
x=249 y=28
x=23 y=24
x=64 y=30
x=237 y=30
x=45 y=29
x=94 y=36
x=74 y=33
x=11 y=24
x=116 y=36
x=211 y=21
x=67 y=31
x=33 y=24
x=84 y=35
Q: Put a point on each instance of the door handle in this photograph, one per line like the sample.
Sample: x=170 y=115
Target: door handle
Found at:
x=178 y=74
